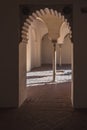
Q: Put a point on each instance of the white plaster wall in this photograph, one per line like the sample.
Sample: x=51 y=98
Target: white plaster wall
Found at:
x=32 y=49
x=28 y=54
x=36 y=31
x=32 y=42
x=42 y=30
x=47 y=50
x=65 y=52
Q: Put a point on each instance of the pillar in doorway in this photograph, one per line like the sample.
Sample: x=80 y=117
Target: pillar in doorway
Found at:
x=60 y=54
x=54 y=59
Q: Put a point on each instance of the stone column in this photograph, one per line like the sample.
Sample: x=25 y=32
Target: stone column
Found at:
x=54 y=59
x=60 y=53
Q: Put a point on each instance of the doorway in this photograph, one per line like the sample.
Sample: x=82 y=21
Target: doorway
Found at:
x=35 y=53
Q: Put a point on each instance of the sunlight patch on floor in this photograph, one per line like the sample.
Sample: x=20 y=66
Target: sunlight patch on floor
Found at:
x=45 y=77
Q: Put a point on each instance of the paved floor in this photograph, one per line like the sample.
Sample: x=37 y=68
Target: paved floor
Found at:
x=44 y=75
x=48 y=107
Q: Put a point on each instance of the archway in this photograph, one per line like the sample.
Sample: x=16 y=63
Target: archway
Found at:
x=44 y=15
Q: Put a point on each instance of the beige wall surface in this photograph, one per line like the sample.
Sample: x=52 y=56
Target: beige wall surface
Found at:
x=46 y=50
x=36 y=32
x=22 y=73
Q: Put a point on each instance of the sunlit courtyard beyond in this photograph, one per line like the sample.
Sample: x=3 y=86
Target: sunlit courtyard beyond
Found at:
x=44 y=75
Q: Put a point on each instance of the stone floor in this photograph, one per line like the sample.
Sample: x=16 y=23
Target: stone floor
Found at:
x=44 y=75
x=48 y=107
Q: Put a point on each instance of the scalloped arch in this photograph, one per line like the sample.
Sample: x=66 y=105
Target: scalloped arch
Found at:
x=65 y=30
x=50 y=17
